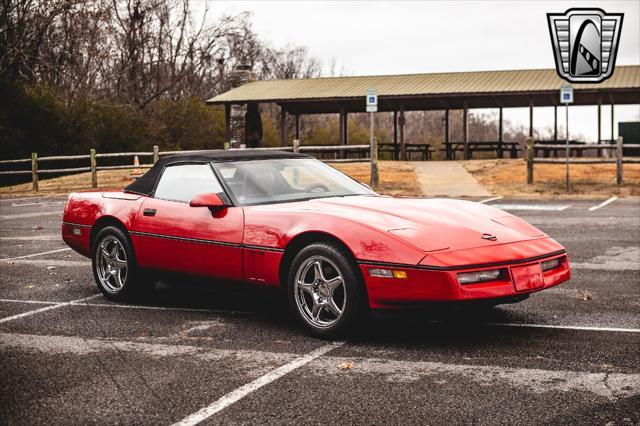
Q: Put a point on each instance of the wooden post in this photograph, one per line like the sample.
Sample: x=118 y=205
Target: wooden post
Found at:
x=297 y=130
x=94 y=172
x=500 y=140
x=403 y=148
x=283 y=127
x=156 y=154
x=227 y=126
x=619 y=177
x=34 y=170
x=465 y=132
x=447 y=141
x=529 y=161
x=394 y=156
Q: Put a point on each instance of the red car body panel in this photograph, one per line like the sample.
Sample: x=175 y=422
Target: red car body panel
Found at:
x=180 y=238
x=432 y=240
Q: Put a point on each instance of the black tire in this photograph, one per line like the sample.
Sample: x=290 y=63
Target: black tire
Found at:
x=133 y=284
x=351 y=295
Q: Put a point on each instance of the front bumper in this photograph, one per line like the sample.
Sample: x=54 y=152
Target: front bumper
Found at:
x=423 y=284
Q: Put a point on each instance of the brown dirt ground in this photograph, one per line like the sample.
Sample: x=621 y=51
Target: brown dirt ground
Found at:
x=509 y=178
x=396 y=178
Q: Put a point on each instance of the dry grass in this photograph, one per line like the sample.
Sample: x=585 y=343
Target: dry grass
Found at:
x=66 y=184
x=396 y=178
x=508 y=178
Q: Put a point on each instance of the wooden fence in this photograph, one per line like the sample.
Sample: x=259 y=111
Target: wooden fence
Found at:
x=616 y=158
x=35 y=171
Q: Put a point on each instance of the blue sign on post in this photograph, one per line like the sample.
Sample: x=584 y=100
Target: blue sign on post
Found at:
x=372 y=101
x=566 y=94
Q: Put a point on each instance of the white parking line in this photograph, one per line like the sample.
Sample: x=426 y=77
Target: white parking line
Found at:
x=564 y=327
x=51 y=237
x=47 y=308
x=37 y=302
x=137 y=307
x=488 y=200
x=35 y=254
x=44 y=203
x=604 y=203
x=250 y=387
x=22 y=198
x=29 y=215
x=535 y=207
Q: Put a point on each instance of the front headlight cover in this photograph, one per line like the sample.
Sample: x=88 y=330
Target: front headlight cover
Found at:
x=479 y=276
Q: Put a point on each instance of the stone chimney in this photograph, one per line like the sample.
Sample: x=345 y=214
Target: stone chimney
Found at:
x=241 y=74
x=246 y=123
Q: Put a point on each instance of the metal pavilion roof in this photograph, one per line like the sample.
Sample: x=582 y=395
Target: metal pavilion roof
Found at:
x=434 y=91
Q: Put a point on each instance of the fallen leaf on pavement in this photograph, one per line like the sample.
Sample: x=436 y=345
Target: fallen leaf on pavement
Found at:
x=586 y=296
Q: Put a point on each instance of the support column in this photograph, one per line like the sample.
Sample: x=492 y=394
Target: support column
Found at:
x=555 y=123
x=531 y=119
x=599 y=124
x=227 y=124
x=283 y=127
x=394 y=155
x=465 y=132
x=547 y=153
x=447 y=142
x=403 y=148
x=500 y=137
x=344 y=135
x=612 y=125
x=297 y=130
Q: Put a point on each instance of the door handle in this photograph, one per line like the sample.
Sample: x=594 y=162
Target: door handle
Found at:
x=149 y=212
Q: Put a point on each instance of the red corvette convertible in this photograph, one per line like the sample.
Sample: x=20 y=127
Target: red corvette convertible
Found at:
x=286 y=220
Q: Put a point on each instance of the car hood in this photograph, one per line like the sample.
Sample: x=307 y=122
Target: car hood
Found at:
x=432 y=224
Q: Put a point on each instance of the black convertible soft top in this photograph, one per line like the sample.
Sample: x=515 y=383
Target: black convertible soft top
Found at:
x=147 y=182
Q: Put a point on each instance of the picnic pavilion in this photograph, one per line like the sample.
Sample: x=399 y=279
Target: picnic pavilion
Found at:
x=441 y=91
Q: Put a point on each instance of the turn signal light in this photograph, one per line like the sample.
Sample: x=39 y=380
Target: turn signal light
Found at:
x=400 y=274
x=479 y=276
x=387 y=273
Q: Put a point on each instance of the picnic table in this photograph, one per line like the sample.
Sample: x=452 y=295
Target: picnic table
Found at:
x=549 y=147
x=485 y=146
x=424 y=150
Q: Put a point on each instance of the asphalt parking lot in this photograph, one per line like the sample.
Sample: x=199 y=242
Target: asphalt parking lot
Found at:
x=232 y=355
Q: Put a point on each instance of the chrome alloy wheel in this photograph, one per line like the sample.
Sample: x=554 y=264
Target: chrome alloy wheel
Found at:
x=320 y=292
x=111 y=264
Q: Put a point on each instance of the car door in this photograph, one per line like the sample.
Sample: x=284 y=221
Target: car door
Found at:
x=170 y=235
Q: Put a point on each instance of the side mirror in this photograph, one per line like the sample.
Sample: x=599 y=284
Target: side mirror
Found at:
x=212 y=201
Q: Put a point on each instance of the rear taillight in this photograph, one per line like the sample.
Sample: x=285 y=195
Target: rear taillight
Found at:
x=548 y=265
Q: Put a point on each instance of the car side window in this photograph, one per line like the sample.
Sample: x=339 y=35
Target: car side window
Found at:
x=183 y=182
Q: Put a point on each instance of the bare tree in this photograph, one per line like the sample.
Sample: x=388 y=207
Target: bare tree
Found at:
x=161 y=51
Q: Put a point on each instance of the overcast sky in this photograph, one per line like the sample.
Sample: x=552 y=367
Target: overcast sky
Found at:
x=400 y=37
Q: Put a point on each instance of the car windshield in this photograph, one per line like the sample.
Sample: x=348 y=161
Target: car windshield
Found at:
x=283 y=180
